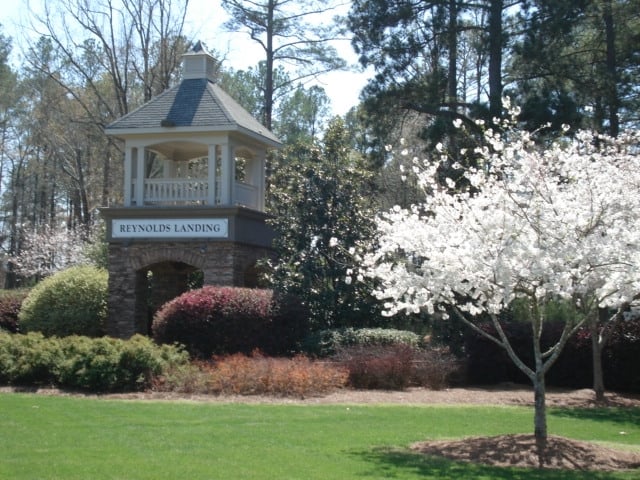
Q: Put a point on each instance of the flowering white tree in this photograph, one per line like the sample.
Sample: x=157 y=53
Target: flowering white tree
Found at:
x=46 y=250
x=558 y=222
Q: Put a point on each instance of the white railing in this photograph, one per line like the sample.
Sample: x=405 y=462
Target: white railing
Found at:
x=175 y=191
x=246 y=195
x=188 y=191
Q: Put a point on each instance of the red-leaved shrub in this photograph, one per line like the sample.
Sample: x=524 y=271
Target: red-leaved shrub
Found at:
x=10 y=304
x=223 y=320
x=256 y=374
x=396 y=367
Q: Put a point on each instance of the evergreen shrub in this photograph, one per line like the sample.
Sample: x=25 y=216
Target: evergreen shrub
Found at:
x=70 y=302
x=325 y=343
x=29 y=359
x=224 y=320
x=92 y=364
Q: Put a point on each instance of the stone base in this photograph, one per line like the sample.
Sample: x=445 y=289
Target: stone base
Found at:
x=144 y=275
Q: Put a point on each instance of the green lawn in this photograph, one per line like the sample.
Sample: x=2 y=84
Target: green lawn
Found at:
x=74 y=438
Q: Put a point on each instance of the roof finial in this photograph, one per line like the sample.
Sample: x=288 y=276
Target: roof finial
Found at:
x=198 y=47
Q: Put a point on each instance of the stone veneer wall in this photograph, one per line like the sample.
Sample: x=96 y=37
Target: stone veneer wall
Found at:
x=222 y=262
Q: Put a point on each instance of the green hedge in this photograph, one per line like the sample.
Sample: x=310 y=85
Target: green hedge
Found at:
x=328 y=342
x=94 y=364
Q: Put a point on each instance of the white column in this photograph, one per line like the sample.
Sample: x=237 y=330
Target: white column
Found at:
x=140 y=157
x=227 y=175
x=128 y=180
x=168 y=168
x=261 y=168
x=211 y=175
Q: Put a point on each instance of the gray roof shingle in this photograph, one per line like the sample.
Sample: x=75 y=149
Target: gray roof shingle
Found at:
x=194 y=103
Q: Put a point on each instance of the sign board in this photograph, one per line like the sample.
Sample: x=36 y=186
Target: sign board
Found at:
x=170 y=228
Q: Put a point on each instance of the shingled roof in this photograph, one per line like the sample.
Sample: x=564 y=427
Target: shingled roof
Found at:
x=196 y=104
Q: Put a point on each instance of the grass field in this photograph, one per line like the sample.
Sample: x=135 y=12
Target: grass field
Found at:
x=70 y=438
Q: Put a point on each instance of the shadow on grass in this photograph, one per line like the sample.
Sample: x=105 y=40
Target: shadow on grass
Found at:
x=621 y=415
x=397 y=463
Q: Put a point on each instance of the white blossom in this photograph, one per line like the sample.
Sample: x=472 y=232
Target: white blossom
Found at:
x=555 y=223
x=49 y=249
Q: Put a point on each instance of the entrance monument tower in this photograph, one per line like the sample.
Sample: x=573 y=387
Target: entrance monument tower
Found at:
x=194 y=197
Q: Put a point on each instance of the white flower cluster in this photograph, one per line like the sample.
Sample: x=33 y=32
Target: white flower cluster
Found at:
x=48 y=250
x=558 y=222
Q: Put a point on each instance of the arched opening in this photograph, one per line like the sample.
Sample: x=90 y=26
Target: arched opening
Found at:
x=158 y=283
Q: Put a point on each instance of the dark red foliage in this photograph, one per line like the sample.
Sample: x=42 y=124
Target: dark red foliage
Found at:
x=222 y=320
x=489 y=364
x=10 y=304
x=396 y=367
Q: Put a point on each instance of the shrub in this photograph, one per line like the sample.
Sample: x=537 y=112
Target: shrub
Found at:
x=620 y=357
x=10 y=305
x=396 y=367
x=221 y=320
x=94 y=364
x=70 y=302
x=240 y=374
x=29 y=359
x=328 y=342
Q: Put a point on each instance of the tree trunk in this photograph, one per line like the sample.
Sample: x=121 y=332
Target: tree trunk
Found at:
x=495 y=57
x=539 y=388
x=452 y=81
x=268 y=88
x=540 y=416
x=596 y=359
x=612 y=74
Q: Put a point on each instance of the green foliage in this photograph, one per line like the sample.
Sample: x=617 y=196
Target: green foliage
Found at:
x=29 y=359
x=71 y=302
x=301 y=115
x=325 y=343
x=220 y=320
x=322 y=215
x=93 y=364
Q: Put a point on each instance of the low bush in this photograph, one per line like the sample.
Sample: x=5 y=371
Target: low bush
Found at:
x=70 y=302
x=93 y=364
x=224 y=320
x=256 y=374
x=10 y=305
x=396 y=367
x=325 y=343
x=29 y=359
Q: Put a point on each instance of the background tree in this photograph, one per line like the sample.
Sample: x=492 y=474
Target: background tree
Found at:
x=320 y=200
x=540 y=225
x=85 y=64
x=302 y=115
x=291 y=35
x=592 y=44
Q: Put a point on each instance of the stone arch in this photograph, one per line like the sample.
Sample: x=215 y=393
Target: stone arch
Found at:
x=170 y=263
x=157 y=284
x=169 y=253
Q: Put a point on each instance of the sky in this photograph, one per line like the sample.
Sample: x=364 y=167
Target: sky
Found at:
x=204 y=22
